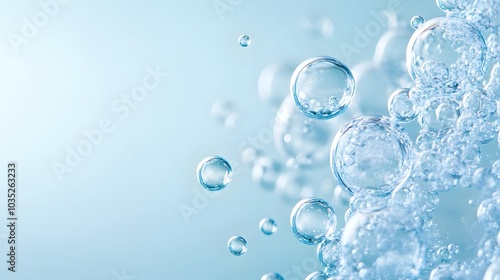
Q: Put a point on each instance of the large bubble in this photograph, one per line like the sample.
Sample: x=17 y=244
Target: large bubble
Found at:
x=453 y=41
x=322 y=87
x=371 y=155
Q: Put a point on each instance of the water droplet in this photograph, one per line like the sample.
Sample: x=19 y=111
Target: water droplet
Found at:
x=244 y=41
x=268 y=226
x=237 y=245
x=214 y=173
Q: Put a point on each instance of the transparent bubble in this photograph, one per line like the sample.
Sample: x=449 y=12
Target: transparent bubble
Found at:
x=214 y=173
x=479 y=103
x=265 y=172
x=225 y=113
x=489 y=12
x=329 y=252
x=452 y=41
x=268 y=226
x=450 y=6
x=493 y=85
x=244 y=41
x=371 y=155
x=387 y=244
x=313 y=220
x=237 y=245
x=416 y=22
x=303 y=139
x=294 y=186
x=322 y=87
x=319 y=26
x=272 y=276
x=274 y=82
x=317 y=275
x=249 y=155
x=493 y=271
x=439 y=116
x=400 y=106
x=488 y=213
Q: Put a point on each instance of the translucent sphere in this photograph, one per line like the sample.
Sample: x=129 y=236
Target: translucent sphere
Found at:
x=272 y=276
x=214 y=173
x=493 y=271
x=439 y=116
x=294 y=186
x=322 y=87
x=329 y=253
x=479 y=103
x=488 y=213
x=416 y=22
x=274 y=82
x=316 y=275
x=225 y=113
x=453 y=41
x=268 y=226
x=265 y=172
x=400 y=106
x=237 y=245
x=387 y=244
x=244 y=41
x=371 y=155
x=313 y=220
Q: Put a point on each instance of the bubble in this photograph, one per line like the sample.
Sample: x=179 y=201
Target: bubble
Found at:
x=322 y=87
x=249 y=155
x=488 y=213
x=329 y=252
x=225 y=113
x=313 y=220
x=416 y=22
x=371 y=155
x=439 y=116
x=237 y=245
x=272 y=276
x=452 y=41
x=244 y=41
x=479 y=103
x=294 y=186
x=214 y=173
x=268 y=226
x=493 y=271
x=400 y=106
x=319 y=26
x=317 y=275
x=450 y=6
x=274 y=82
x=388 y=245
x=265 y=172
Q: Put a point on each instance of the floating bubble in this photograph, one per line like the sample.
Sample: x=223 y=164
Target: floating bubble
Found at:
x=439 y=116
x=329 y=253
x=493 y=271
x=450 y=6
x=388 y=245
x=488 y=213
x=268 y=226
x=244 y=41
x=416 y=22
x=452 y=41
x=272 y=276
x=313 y=220
x=400 y=106
x=274 y=82
x=320 y=26
x=371 y=155
x=322 y=87
x=214 y=173
x=479 y=103
x=237 y=245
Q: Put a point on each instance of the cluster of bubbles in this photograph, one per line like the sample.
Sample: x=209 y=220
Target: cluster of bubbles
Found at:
x=442 y=117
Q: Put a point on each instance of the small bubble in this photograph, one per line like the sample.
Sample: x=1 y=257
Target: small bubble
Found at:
x=237 y=245
x=400 y=106
x=244 y=41
x=416 y=22
x=268 y=226
x=316 y=275
x=214 y=173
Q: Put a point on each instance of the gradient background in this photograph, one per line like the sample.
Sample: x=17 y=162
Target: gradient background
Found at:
x=116 y=215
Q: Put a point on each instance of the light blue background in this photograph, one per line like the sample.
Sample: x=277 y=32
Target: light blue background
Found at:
x=118 y=211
